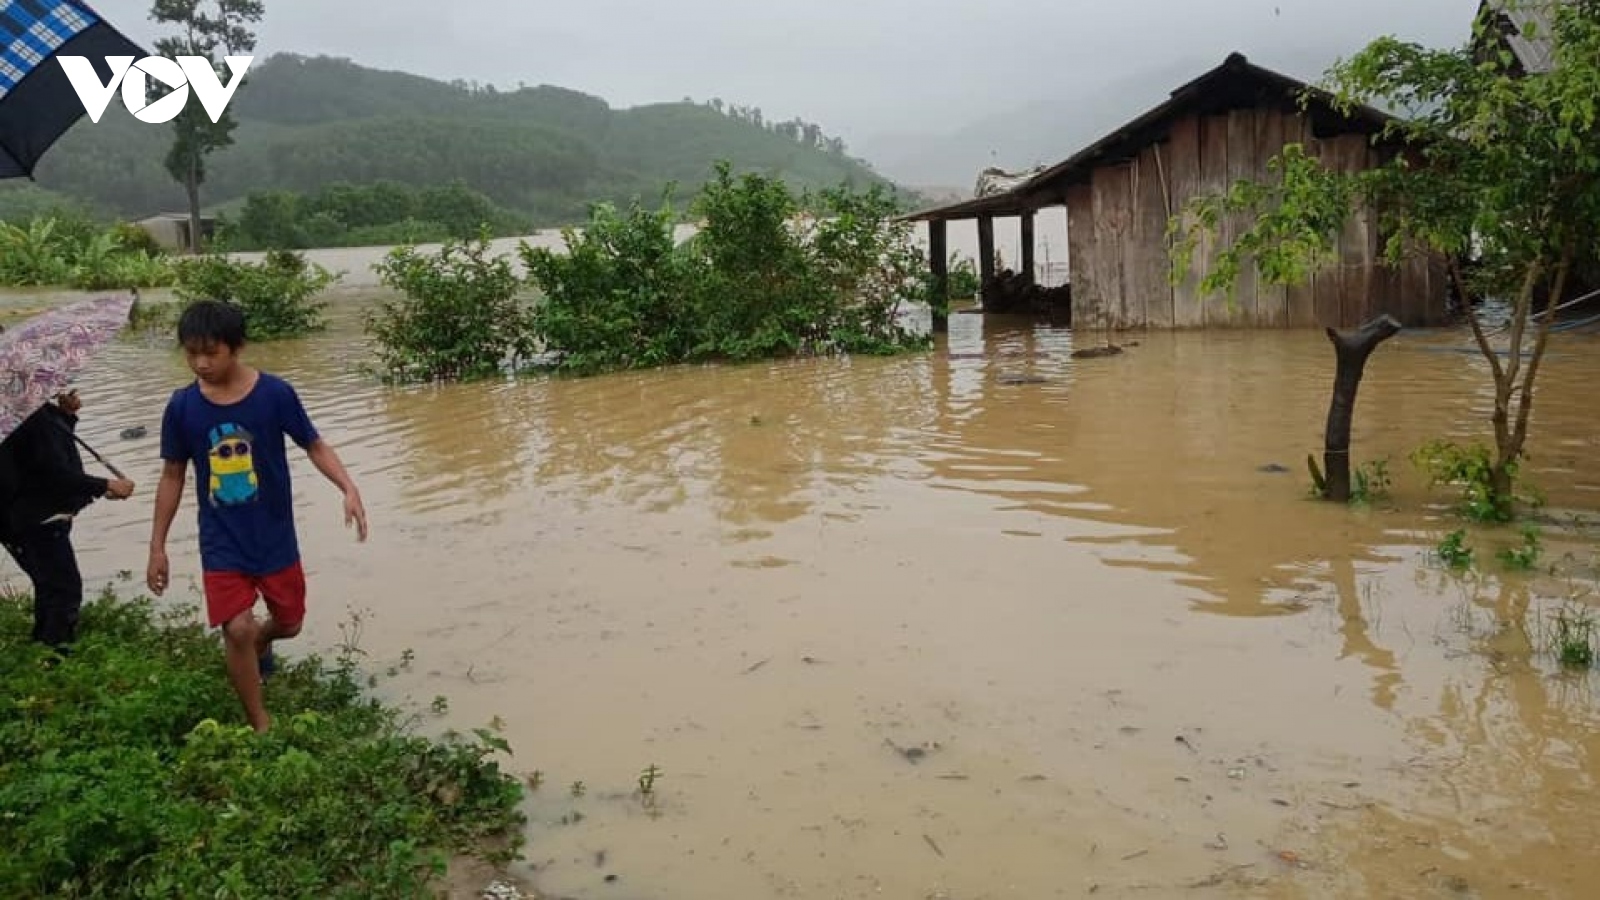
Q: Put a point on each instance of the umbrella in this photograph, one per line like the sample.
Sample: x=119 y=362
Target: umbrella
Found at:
x=37 y=101
x=40 y=357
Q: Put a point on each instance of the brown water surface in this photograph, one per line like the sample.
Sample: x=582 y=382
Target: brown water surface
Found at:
x=900 y=628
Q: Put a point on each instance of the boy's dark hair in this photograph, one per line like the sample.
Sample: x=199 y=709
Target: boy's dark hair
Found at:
x=212 y=320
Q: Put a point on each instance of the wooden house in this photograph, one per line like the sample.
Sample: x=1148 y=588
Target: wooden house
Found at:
x=171 y=229
x=1121 y=191
x=1524 y=28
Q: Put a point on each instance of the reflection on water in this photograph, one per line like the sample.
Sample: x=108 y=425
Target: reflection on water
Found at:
x=1129 y=652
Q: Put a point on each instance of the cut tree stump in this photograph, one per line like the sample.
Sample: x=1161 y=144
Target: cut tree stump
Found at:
x=1351 y=349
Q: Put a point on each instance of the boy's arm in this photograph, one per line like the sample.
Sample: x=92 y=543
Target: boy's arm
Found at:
x=327 y=461
x=169 y=491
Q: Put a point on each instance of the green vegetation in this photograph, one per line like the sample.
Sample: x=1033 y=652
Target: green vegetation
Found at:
x=1526 y=556
x=457 y=315
x=1501 y=169
x=1473 y=471
x=542 y=153
x=80 y=253
x=754 y=282
x=1372 y=482
x=1573 y=637
x=126 y=770
x=1453 y=550
x=962 y=276
x=760 y=279
x=348 y=215
x=279 y=295
x=1469 y=468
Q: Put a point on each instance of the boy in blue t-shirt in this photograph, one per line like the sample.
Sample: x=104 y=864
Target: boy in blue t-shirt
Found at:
x=230 y=423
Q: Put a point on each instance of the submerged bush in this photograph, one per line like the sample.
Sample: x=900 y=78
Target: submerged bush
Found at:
x=126 y=770
x=768 y=274
x=457 y=316
x=1471 y=469
x=279 y=295
x=963 y=279
x=620 y=297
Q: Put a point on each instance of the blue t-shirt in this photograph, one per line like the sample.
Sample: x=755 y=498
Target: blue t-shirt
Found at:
x=241 y=468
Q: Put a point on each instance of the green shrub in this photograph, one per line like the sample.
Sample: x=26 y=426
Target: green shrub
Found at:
x=457 y=315
x=759 y=279
x=126 y=771
x=279 y=295
x=963 y=277
x=134 y=239
x=37 y=255
x=620 y=296
x=79 y=253
x=1469 y=468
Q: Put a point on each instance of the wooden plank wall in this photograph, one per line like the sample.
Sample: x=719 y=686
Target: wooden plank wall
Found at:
x=1150 y=265
x=1348 y=153
x=1081 y=253
x=1183 y=180
x=1119 y=252
x=1112 y=187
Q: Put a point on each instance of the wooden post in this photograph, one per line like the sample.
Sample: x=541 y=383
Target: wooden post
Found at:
x=985 y=253
x=939 y=265
x=1351 y=349
x=1028 y=249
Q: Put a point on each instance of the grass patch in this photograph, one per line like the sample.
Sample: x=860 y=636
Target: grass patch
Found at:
x=1572 y=636
x=127 y=770
x=1371 y=483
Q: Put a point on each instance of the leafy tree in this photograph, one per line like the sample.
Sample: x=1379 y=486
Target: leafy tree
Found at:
x=208 y=30
x=1500 y=174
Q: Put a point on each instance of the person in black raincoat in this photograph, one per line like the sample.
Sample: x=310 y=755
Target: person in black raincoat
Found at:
x=44 y=486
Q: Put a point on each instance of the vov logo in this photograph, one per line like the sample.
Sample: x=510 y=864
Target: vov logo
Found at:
x=133 y=77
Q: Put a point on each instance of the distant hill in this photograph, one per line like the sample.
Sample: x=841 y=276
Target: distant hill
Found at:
x=544 y=152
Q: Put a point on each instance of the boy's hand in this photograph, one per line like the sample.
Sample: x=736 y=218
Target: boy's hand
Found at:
x=119 y=489
x=155 y=576
x=355 y=512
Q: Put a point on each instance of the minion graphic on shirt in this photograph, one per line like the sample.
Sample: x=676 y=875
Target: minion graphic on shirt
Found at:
x=233 y=472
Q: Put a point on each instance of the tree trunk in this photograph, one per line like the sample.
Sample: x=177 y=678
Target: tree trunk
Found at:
x=1351 y=349
x=1500 y=486
x=192 y=186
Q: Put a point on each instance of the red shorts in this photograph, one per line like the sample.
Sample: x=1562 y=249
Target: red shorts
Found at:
x=230 y=593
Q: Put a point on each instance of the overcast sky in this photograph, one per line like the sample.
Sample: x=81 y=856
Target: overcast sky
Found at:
x=857 y=67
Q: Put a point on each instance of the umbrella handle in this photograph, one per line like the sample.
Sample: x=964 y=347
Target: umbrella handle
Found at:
x=96 y=453
x=103 y=461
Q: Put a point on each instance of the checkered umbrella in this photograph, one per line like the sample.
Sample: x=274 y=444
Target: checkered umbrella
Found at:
x=40 y=356
x=37 y=101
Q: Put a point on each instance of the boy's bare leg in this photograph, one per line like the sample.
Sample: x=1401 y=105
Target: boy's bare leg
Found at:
x=241 y=637
x=272 y=630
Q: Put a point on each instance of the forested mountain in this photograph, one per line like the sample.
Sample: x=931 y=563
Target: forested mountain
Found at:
x=544 y=152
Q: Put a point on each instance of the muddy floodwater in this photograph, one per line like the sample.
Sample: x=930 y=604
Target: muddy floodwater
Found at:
x=985 y=622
